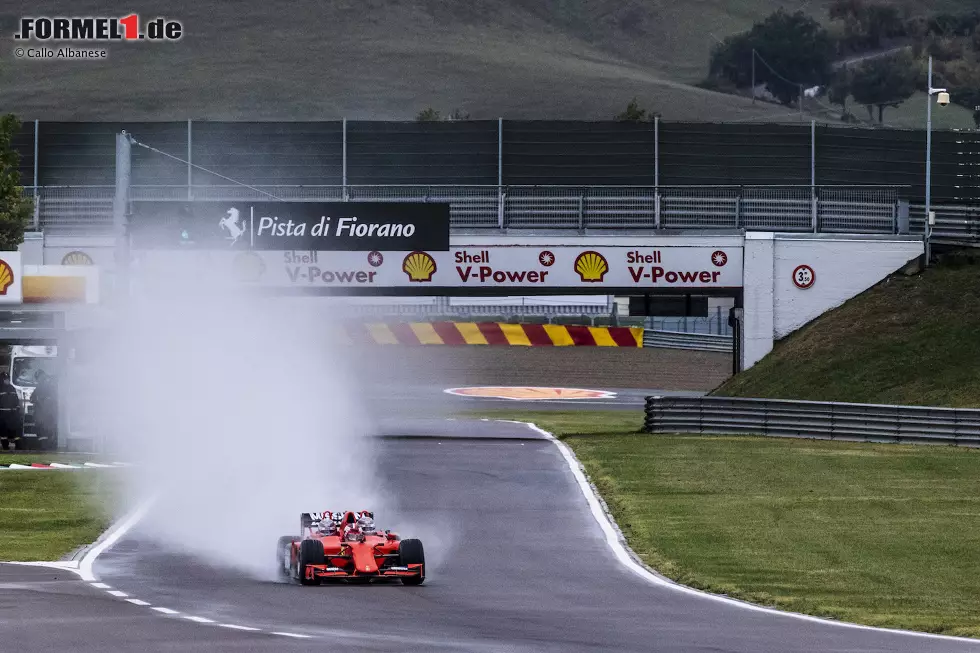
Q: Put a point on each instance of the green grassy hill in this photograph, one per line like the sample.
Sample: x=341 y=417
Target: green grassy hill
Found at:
x=909 y=340
x=388 y=59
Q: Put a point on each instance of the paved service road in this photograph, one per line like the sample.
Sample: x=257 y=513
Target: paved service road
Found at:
x=516 y=563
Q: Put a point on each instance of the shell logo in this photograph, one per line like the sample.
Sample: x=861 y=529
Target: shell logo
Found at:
x=77 y=258
x=6 y=276
x=419 y=266
x=591 y=266
x=249 y=267
x=530 y=393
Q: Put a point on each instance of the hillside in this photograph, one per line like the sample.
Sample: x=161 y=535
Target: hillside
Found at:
x=909 y=340
x=387 y=59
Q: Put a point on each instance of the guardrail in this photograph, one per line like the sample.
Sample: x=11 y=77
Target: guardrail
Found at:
x=813 y=419
x=680 y=340
x=850 y=209
x=957 y=225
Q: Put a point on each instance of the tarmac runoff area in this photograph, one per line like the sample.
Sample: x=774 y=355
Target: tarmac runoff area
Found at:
x=528 y=562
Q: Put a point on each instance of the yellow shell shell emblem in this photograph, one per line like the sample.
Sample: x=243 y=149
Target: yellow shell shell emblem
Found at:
x=591 y=266
x=249 y=267
x=77 y=258
x=419 y=266
x=6 y=277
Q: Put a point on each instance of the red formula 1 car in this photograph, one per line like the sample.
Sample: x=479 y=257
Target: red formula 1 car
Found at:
x=347 y=546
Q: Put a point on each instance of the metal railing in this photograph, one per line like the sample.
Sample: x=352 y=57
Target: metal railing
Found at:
x=854 y=209
x=954 y=224
x=691 y=341
x=813 y=419
x=716 y=323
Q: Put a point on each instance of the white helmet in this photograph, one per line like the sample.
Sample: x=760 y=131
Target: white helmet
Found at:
x=366 y=525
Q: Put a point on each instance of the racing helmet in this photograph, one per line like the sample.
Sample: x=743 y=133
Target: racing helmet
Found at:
x=326 y=527
x=366 y=525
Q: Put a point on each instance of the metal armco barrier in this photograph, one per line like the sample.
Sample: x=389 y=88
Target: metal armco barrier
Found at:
x=852 y=209
x=493 y=333
x=957 y=225
x=680 y=340
x=813 y=419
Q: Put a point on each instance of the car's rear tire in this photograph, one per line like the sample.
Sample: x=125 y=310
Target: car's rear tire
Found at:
x=310 y=553
x=282 y=554
x=410 y=552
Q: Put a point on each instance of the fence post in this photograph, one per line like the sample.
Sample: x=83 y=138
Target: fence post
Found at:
x=36 y=220
x=500 y=152
x=814 y=209
x=738 y=207
x=813 y=174
x=656 y=171
x=344 y=163
x=190 y=178
x=37 y=127
x=501 y=201
x=500 y=173
x=581 y=210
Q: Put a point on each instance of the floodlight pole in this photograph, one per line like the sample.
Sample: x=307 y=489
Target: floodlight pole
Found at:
x=119 y=209
x=927 y=219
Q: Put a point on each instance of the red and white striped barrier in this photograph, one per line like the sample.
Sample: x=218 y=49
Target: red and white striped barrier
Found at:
x=53 y=465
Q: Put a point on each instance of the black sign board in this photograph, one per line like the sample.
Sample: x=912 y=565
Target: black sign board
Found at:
x=290 y=226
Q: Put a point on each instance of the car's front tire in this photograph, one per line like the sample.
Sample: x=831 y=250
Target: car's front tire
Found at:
x=310 y=553
x=410 y=552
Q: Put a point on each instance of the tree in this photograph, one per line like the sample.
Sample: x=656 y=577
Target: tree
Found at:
x=885 y=82
x=789 y=50
x=866 y=25
x=457 y=114
x=16 y=209
x=633 y=113
x=428 y=115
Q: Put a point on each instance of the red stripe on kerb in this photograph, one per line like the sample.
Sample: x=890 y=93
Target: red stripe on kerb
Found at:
x=403 y=333
x=537 y=335
x=622 y=336
x=40 y=465
x=493 y=333
x=449 y=333
x=581 y=336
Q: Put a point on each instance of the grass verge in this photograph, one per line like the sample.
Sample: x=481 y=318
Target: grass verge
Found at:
x=44 y=515
x=884 y=535
x=909 y=340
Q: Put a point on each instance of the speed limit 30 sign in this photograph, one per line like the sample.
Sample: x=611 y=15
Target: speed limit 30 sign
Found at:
x=804 y=276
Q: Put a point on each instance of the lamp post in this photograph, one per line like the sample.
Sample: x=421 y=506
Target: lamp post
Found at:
x=942 y=98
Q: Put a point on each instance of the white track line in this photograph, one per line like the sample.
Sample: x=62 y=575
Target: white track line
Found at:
x=625 y=555
x=294 y=635
x=236 y=627
x=199 y=620
x=112 y=536
x=165 y=610
x=118 y=594
x=137 y=602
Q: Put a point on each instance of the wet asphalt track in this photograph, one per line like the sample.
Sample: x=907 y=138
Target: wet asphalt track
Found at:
x=526 y=569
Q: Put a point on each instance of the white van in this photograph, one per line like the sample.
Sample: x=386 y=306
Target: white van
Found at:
x=25 y=362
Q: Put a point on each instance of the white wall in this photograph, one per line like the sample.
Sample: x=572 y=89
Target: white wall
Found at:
x=758 y=284
x=844 y=267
